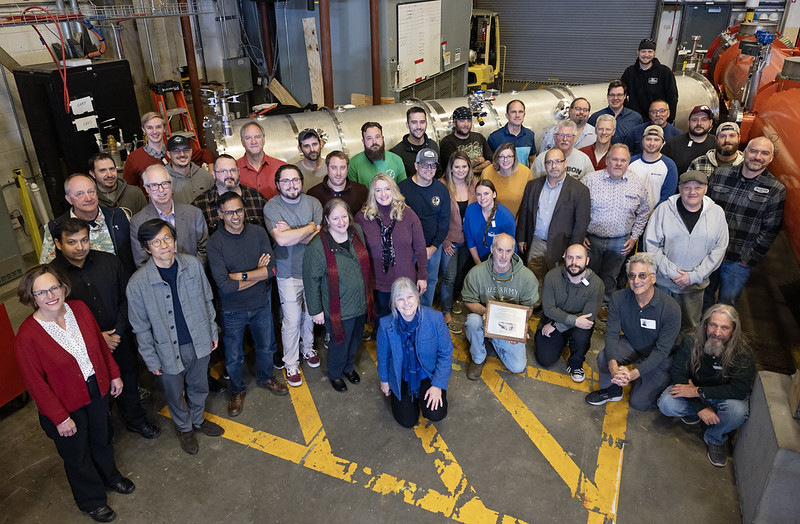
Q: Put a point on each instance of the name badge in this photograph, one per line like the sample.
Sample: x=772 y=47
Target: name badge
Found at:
x=585 y=282
x=762 y=190
x=493 y=223
x=647 y=323
x=717 y=367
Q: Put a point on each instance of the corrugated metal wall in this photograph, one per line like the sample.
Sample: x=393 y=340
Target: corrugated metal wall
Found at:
x=571 y=41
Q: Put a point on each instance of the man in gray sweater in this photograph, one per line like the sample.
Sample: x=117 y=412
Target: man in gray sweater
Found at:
x=571 y=297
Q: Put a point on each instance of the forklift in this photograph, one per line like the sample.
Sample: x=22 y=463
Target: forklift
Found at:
x=485 y=71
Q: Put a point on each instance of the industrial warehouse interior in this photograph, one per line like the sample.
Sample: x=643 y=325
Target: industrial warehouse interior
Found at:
x=82 y=78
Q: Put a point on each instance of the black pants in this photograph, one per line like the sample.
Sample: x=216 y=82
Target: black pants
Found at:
x=341 y=357
x=406 y=411
x=548 y=349
x=88 y=455
x=128 y=402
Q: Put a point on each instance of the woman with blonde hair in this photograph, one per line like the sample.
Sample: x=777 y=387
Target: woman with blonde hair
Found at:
x=394 y=238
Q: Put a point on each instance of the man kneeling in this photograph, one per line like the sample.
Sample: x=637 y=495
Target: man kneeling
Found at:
x=712 y=376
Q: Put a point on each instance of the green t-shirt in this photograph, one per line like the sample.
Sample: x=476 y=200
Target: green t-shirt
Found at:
x=362 y=170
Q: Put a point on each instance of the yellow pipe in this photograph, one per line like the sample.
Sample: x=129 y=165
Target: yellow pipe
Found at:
x=27 y=211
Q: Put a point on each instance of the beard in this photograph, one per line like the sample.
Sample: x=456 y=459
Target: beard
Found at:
x=575 y=270
x=713 y=347
x=375 y=153
x=726 y=150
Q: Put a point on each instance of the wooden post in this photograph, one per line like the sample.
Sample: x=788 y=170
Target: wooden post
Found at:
x=314 y=64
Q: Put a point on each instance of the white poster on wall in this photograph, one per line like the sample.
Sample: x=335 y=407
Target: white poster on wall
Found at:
x=419 y=35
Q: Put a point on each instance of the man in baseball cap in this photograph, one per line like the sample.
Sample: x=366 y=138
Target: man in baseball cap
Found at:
x=188 y=179
x=464 y=139
x=697 y=141
x=725 y=152
x=657 y=170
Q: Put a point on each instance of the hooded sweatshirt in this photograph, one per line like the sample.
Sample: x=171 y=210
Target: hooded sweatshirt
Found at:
x=517 y=286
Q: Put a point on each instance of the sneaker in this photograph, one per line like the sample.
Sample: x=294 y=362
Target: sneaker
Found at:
x=690 y=420
x=293 y=376
x=458 y=307
x=327 y=340
x=577 y=374
x=144 y=394
x=277 y=361
x=717 y=454
x=311 y=358
x=366 y=335
x=601 y=396
x=455 y=329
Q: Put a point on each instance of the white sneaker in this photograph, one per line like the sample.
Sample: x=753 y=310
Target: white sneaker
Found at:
x=293 y=376
x=312 y=358
x=577 y=374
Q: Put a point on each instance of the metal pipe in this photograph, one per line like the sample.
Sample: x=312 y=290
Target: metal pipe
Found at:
x=222 y=31
x=375 y=44
x=119 y=50
x=266 y=38
x=66 y=30
x=325 y=48
x=41 y=210
x=191 y=65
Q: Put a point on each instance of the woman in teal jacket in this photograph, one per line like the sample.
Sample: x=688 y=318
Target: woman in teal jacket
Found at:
x=415 y=355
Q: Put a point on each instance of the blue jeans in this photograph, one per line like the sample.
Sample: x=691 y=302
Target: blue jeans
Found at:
x=606 y=261
x=453 y=271
x=732 y=414
x=260 y=322
x=514 y=356
x=433 y=276
x=730 y=279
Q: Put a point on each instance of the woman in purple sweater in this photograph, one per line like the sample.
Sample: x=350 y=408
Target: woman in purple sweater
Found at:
x=395 y=240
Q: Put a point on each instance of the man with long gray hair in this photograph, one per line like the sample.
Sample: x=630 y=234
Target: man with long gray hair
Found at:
x=712 y=375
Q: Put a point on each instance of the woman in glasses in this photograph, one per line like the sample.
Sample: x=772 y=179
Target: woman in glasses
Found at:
x=69 y=371
x=486 y=218
x=170 y=310
x=508 y=175
x=337 y=281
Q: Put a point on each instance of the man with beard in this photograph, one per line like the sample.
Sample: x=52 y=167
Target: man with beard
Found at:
x=226 y=176
x=579 y=113
x=648 y=80
x=659 y=112
x=643 y=323
x=725 y=153
x=113 y=191
x=464 y=139
x=656 y=170
x=619 y=210
x=515 y=133
x=578 y=164
x=753 y=202
x=571 y=298
x=415 y=140
x=712 y=375
x=310 y=162
x=605 y=129
x=293 y=219
x=374 y=159
x=256 y=168
x=189 y=180
x=625 y=118
x=688 y=146
x=337 y=185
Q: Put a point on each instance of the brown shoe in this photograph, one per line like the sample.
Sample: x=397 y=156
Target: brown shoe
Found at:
x=474 y=370
x=189 y=442
x=236 y=404
x=274 y=387
x=210 y=429
x=602 y=315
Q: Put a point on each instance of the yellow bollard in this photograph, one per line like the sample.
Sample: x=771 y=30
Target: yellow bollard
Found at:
x=27 y=211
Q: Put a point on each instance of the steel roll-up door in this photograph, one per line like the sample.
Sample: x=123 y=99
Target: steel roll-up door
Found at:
x=571 y=41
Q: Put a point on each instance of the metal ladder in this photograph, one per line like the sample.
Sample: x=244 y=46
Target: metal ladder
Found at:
x=159 y=90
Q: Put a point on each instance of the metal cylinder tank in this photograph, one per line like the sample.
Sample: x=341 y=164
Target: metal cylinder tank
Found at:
x=342 y=127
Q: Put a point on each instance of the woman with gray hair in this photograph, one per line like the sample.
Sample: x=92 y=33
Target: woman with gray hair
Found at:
x=415 y=355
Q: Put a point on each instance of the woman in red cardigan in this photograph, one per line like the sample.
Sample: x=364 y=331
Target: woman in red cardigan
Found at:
x=68 y=369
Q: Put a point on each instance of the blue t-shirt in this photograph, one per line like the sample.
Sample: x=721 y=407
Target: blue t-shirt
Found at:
x=475 y=231
x=524 y=142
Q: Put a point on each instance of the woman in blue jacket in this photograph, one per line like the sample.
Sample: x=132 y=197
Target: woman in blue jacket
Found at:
x=484 y=219
x=415 y=355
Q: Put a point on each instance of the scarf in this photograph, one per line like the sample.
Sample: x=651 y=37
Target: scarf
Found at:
x=408 y=335
x=387 y=246
x=328 y=247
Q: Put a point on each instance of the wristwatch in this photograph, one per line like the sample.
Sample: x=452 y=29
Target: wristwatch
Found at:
x=244 y=276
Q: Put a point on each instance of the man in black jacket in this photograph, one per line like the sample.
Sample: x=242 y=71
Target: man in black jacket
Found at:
x=712 y=376
x=648 y=80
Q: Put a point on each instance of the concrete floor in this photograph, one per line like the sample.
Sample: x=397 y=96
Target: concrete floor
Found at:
x=513 y=448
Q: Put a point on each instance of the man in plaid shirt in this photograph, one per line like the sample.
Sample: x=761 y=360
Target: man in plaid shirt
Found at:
x=753 y=203
x=725 y=153
x=226 y=176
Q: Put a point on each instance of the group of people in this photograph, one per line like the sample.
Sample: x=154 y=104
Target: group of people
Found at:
x=361 y=245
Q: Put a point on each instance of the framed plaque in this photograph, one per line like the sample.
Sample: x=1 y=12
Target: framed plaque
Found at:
x=506 y=321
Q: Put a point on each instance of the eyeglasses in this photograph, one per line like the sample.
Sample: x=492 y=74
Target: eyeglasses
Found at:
x=658 y=111
x=640 y=276
x=290 y=181
x=158 y=242
x=428 y=165
x=581 y=109
x=181 y=151
x=52 y=291
x=564 y=135
x=505 y=157
x=155 y=186
x=550 y=163
x=226 y=172
x=230 y=213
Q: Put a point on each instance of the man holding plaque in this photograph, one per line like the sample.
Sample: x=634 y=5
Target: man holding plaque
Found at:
x=502 y=278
